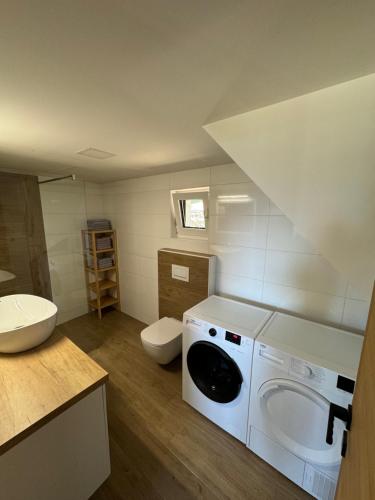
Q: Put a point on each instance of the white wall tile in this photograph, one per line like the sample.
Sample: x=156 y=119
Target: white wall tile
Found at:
x=93 y=188
x=63 y=223
x=192 y=245
x=355 y=314
x=283 y=236
x=117 y=187
x=238 y=199
x=228 y=174
x=148 y=268
x=149 y=300
x=187 y=179
x=148 y=246
x=71 y=300
x=94 y=205
x=142 y=266
x=110 y=203
x=304 y=271
x=244 y=230
x=63 y=202
x=65 y=263
x=152 y=202
x=139 y=297
x=148 y=224
x=312 y=305
x=58 y=244
x=240 y=261
x=239 y=287
x=64 y=284
x=68 y=314
x=353 y=293
x=128 y=263
x=130 y=296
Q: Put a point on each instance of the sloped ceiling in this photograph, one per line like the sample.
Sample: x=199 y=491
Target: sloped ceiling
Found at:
x=314 y=156
x=139 y=79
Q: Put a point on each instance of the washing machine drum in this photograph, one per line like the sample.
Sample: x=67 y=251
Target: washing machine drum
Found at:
x=215 y=373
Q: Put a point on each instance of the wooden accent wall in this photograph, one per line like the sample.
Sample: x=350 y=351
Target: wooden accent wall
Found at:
x=22 y=241
x=175 y=296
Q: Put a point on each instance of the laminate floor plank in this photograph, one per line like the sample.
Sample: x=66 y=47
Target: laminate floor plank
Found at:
x=161 y=448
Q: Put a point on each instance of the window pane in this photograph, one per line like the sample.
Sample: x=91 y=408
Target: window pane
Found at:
x=192 y=213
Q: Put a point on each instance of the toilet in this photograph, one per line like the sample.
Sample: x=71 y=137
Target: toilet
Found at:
x=163 y=340
x=185 y=278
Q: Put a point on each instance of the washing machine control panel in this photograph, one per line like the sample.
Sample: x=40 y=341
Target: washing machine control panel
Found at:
x=233 y=337
x=219 y=334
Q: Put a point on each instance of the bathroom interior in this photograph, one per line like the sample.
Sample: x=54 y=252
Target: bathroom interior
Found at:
x=185 y=305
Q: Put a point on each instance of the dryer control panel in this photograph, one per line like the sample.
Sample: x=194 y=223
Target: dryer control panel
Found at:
x=317 y=377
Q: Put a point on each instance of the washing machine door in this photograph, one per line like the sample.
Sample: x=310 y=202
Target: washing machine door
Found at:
x=214 y=372
x=297 y=416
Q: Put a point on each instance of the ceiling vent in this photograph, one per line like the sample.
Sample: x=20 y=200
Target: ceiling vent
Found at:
x=98 y=154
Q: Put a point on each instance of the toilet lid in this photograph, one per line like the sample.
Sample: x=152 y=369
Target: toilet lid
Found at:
x=163 y=331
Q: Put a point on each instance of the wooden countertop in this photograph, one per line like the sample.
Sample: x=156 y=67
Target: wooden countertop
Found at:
x=37 y=385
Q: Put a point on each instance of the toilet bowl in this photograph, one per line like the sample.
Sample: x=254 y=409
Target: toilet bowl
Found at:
x=163 y=340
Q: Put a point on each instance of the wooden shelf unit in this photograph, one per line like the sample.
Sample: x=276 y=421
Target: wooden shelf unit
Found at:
x=102 y=284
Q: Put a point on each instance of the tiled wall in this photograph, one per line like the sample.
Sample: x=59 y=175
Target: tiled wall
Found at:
x=66 y=206
x=260 y=256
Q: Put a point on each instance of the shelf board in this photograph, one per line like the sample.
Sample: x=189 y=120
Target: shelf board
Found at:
x=98 y=232
x=105 y=301
x=105 y=250
x=101 y=270
x=103 y=285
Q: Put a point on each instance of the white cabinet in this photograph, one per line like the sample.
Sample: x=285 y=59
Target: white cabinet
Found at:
x=66 y=459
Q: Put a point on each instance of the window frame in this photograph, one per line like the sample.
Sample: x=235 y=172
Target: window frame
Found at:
x=187 y=194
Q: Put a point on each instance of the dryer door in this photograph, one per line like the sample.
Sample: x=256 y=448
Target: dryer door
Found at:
x=215 y=373
x=297 y=417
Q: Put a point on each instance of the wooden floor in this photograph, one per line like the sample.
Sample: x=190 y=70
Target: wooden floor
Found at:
x=161 y=448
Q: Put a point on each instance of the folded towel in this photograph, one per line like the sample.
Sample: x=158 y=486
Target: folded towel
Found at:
x=99 y=224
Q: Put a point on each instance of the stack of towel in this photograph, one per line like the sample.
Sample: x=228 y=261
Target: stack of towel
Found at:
x=103 y=243
x=99 y=224
x=102 y=263
x=105 y=262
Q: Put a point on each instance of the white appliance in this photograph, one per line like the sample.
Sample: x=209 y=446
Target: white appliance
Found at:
x=217 y=349
x=301 y=370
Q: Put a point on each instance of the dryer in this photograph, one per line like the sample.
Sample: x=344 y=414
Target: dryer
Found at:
x=301 y=369
x=218 y=341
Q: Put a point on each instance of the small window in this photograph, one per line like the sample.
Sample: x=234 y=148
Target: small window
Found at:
x=191 y=212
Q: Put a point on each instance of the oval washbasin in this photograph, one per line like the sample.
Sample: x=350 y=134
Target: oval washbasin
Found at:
x=25 y=322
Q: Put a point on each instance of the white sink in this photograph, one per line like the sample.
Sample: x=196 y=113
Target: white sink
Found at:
x=25 y=322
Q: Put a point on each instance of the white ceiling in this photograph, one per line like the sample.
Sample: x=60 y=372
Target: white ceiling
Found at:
x=140 y=78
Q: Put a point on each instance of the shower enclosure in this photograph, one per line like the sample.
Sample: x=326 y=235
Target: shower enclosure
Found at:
x=23 y=254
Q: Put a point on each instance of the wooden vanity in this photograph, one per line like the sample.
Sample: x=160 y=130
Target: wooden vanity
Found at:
x=53 y=423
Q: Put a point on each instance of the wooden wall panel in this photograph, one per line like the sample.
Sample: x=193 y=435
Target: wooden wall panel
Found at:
x=176 y=296
x=23 y=249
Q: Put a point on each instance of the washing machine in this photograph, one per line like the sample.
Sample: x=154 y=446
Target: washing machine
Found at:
x=302 y=387
x=218 y=341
